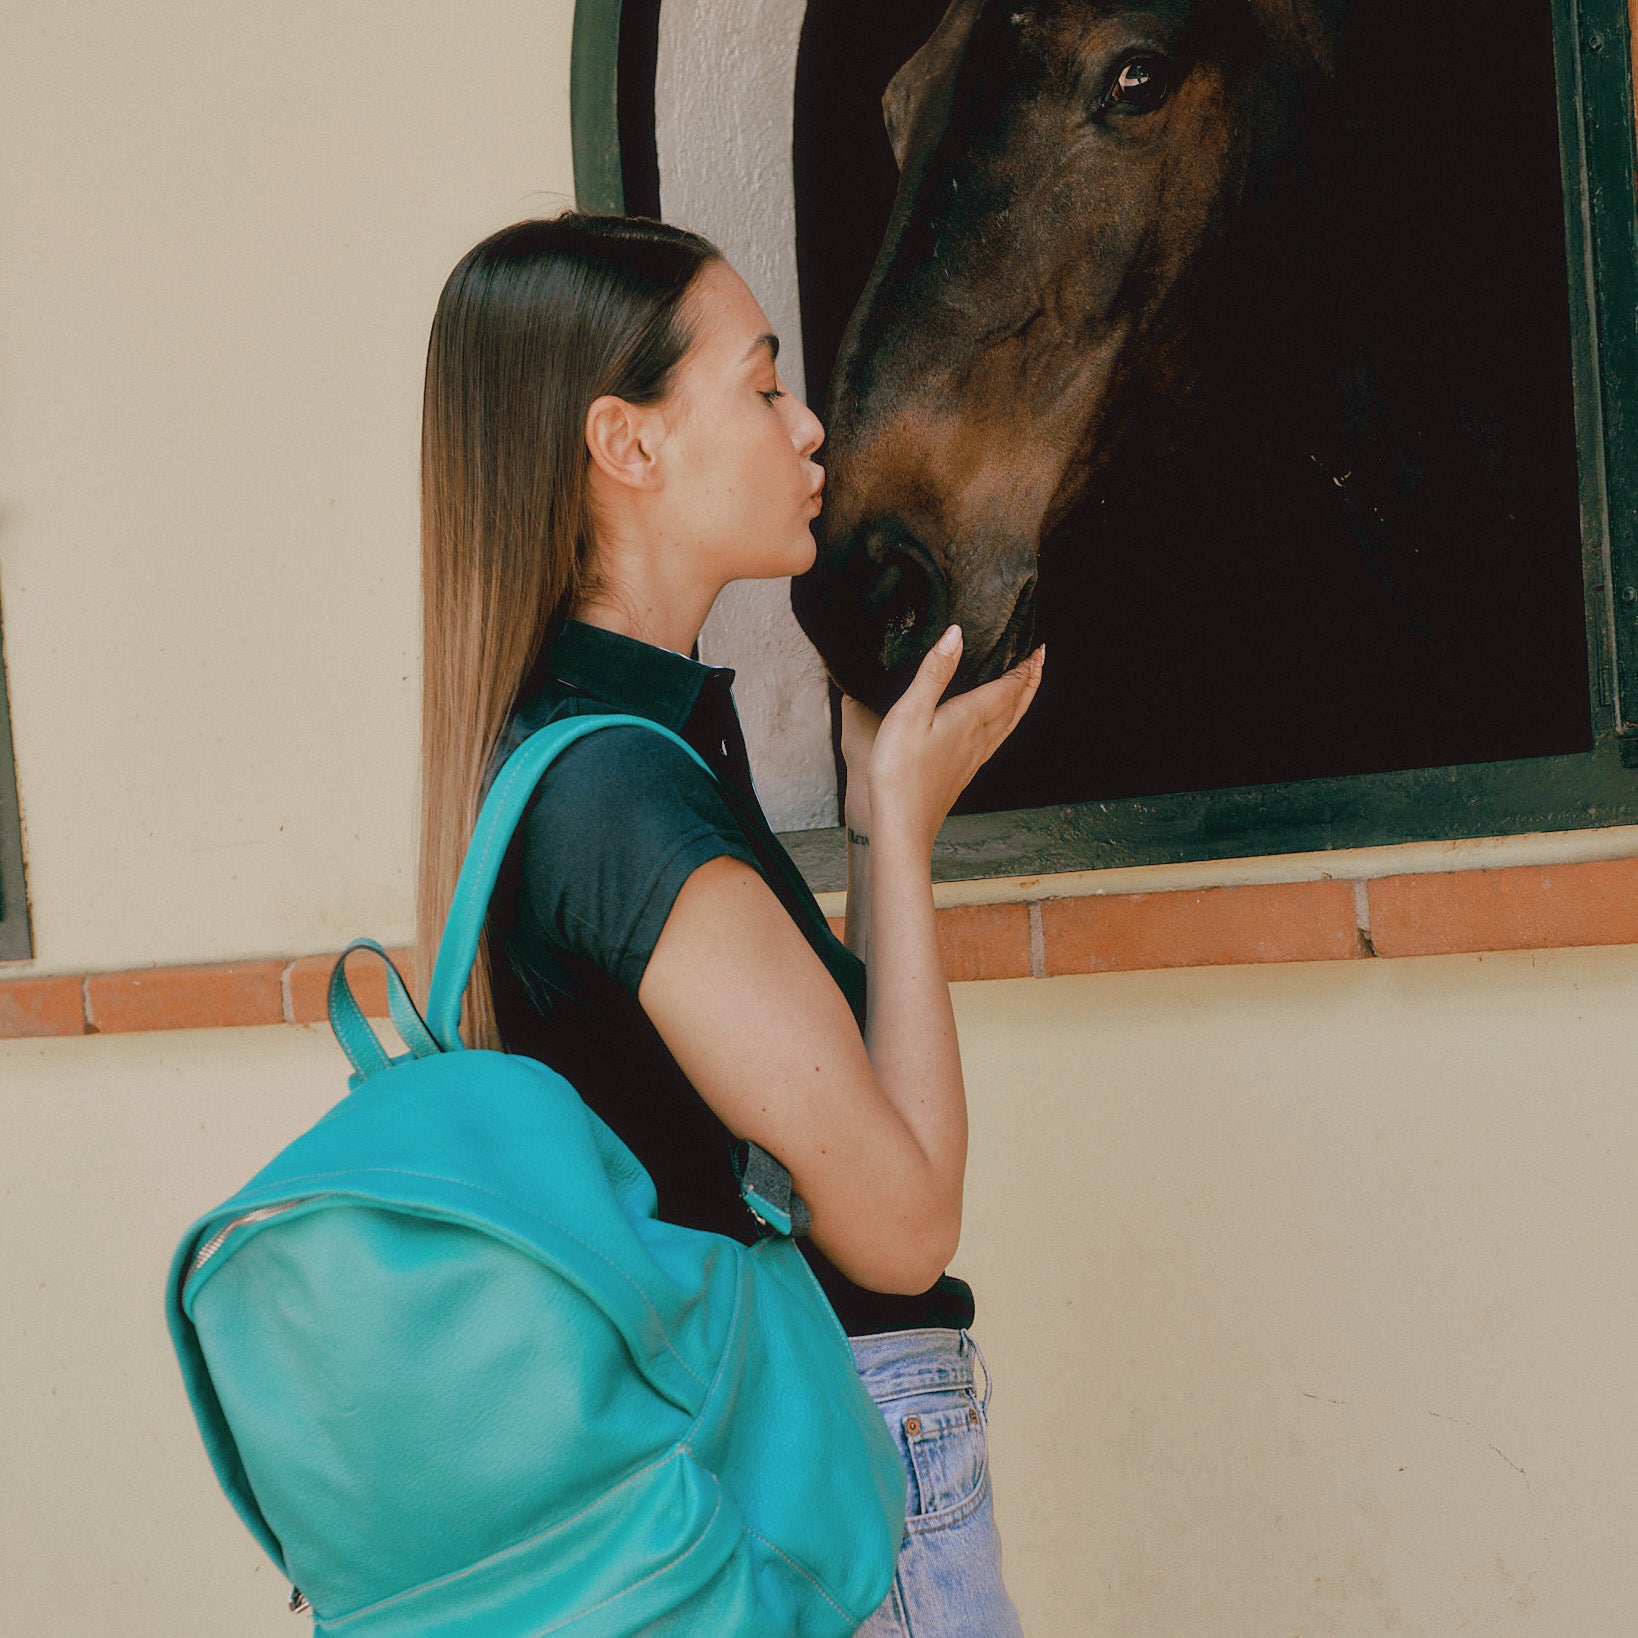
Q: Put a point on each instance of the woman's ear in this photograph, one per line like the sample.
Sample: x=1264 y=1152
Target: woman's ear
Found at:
x=624 y=441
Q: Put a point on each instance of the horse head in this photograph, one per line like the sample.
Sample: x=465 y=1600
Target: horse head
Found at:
x=1068 y=170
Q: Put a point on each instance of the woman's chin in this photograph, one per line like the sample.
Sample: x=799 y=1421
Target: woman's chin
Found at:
x=798 y=559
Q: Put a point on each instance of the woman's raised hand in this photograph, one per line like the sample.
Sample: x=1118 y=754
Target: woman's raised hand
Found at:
x=925 y=753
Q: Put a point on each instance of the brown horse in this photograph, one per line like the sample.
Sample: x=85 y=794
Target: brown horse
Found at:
x=1070 y=173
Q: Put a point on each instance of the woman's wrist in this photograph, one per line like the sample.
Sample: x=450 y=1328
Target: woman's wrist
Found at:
x=856 y=807
x=894 y=837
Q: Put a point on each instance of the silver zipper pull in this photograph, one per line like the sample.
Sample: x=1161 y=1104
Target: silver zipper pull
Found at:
x=298 y=1601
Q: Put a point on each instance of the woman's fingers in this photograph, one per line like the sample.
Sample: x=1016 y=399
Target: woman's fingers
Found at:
x=999 y=704
x=856 y=712
x=1033 y=665
x=859 y=728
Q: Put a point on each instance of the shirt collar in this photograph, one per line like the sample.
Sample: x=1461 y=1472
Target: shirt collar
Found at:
x=629 y=674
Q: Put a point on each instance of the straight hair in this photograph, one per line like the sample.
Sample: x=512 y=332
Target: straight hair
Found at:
x=533 y=325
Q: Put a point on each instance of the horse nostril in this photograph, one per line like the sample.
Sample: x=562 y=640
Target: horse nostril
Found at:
x=1024 y=611
x=905 y=597
x=1019 y=633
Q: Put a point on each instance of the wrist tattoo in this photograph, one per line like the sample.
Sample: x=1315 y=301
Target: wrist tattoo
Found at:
x=854 y=836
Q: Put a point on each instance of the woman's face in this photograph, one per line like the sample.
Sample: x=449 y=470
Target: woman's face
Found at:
x=742 y=489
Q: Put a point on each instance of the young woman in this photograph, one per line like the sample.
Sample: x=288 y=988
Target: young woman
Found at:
x=607 y=443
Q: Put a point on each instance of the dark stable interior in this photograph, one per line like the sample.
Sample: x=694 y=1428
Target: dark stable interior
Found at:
x=1229 y=613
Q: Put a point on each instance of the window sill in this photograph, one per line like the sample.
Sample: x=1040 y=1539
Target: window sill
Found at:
x=1550 y=890
x=1546 y=891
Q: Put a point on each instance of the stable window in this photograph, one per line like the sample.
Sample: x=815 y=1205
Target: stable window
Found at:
x=1360 y=625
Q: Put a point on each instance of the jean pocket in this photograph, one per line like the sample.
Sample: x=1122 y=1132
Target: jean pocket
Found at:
x=944 y=1436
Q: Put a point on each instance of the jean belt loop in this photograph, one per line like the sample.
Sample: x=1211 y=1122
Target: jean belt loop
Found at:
x=967 y=1341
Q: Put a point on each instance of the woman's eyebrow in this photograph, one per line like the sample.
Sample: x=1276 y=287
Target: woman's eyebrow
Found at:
x=766 y=339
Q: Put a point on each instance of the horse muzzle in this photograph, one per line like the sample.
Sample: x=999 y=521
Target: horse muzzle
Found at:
x=878 y=602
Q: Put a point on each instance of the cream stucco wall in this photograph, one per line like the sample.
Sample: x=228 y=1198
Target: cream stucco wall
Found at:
x=1310 y=1290
x=224 y=231
x=1311 y=1295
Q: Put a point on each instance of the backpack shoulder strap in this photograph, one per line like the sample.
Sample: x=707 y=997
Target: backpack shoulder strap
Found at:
x=502 y=809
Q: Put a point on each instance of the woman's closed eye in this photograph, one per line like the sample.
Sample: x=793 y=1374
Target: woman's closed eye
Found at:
x=772 y=393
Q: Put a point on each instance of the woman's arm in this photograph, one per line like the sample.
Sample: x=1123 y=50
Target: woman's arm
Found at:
x=859 y=725
x=767 y=1038
x=873 y=1130
x=856 y=922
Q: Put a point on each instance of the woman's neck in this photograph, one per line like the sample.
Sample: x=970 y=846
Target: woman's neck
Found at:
x=638 y=599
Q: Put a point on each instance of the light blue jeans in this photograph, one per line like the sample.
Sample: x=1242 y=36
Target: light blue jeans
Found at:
x=948 y=1581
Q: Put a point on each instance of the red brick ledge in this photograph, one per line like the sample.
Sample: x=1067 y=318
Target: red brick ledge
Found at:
x=1525 y=907
x=219 y=995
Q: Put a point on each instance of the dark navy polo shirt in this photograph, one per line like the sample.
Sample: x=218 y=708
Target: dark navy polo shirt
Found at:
x=616 y=826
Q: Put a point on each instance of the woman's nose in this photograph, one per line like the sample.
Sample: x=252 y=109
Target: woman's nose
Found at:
x=811 y=434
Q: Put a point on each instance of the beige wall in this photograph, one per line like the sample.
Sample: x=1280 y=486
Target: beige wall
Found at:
x=1309 y=1289
x=1312 y=1294
x=1309 y=1293
x=224 y=230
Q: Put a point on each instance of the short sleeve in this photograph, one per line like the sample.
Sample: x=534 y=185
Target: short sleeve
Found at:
x=618 y=823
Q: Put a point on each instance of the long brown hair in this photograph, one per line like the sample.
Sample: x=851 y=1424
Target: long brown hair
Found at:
x=535 y=323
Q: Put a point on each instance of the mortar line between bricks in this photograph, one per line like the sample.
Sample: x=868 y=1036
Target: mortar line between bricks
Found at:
x=1037 y=941
x=1362 y=913
x=286 y=1005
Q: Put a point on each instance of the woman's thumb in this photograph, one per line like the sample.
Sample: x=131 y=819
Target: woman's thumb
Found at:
x=937 y=666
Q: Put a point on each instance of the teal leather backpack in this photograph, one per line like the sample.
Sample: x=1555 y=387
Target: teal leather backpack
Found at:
x=458 y=1378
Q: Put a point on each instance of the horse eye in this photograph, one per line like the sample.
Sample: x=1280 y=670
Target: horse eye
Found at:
x=1140 y=84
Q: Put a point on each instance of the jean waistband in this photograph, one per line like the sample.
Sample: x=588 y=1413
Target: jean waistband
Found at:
x=893 y=1362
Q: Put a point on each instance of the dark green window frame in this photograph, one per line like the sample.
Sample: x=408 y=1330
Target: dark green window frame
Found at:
x=16 y=943
x=1587 y=790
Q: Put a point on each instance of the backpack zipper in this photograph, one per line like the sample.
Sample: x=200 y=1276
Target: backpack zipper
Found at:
x=219 y=1238
x=299 y=1604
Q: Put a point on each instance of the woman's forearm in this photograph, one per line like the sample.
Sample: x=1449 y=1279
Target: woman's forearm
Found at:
x=910 y=1030
x=910 y=766
x=856 y=922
